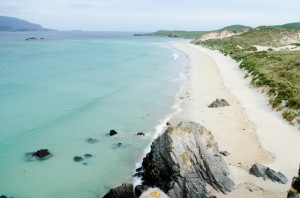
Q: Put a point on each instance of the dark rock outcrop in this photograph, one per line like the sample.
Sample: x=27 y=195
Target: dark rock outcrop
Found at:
x=218 y=103
x=113 y=132
x=260 y=170
x=140 y=133
x=183 y=161
x=124 y=191
x=78 y=158
x=3 y=196
x=41 y=154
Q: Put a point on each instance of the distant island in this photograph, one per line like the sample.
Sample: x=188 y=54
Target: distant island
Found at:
x=18 y=25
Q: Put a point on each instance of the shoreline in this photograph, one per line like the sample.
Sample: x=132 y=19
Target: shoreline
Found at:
x=248 y=129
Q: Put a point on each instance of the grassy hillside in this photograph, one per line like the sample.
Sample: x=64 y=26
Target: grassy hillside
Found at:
x=290 y=26
x=195 y=34
x=278 y=71
x=235 y=28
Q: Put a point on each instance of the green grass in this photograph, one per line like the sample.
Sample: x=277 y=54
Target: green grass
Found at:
x=278 y=70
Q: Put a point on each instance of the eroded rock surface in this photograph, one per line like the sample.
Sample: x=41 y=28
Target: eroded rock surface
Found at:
x=184 y=160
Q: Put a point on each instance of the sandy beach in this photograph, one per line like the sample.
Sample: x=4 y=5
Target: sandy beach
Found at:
x=248 y=128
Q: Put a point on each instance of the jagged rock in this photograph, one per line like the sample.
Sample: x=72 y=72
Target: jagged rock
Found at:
x=139 y=189
x=183 y=160
x=219 y=103
x=260 y=170
x=139 y=169
x=78 y=158
x=124 y=191
x=113 y=132
x=169 y=124
x=88 y=155
x=140 y=133
x=92 y=140
x=225 y=153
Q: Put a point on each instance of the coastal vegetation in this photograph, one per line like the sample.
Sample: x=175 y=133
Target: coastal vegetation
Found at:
x=195 y=34
x=277 y=71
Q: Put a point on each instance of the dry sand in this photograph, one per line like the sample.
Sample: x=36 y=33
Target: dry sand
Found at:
x=248 y=128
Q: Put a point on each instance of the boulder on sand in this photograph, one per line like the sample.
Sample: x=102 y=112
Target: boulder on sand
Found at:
x=218 y=103
x=260 y=170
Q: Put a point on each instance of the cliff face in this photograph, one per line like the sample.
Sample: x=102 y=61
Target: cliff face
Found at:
x=183 y=160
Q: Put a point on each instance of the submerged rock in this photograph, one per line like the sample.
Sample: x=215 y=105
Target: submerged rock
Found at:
x=183 y=160
x=219 y=103
x=88 y=155
x=260 y=170
x=113 y=132
x=118 y=145
x=3 y=196
x=41 y=154
x=78 y=158
x=92 y=140
x=124 y=191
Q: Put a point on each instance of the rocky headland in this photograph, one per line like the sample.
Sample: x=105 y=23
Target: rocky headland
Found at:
x=183 y=162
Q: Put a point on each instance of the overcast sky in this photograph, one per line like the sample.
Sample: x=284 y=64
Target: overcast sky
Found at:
x=151 y=15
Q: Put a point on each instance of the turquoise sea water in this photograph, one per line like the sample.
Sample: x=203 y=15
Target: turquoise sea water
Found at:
x=57 y=92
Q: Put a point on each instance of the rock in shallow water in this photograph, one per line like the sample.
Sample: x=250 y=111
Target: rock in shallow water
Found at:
x=113 y=132
x=78 y=158
x=41 y=154
x=183 y=160
x=88 y=155
x=260 y=170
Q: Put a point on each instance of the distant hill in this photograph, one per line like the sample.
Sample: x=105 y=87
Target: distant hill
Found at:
x=235 y=28
x=15 y=24
x=290 y=26
x=192 y=34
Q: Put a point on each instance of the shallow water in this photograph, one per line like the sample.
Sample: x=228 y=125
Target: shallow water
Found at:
x=57 y=92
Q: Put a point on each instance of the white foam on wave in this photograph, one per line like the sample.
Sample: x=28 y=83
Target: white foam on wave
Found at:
x=175 y=55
